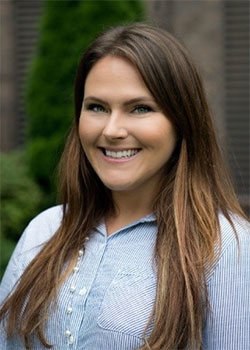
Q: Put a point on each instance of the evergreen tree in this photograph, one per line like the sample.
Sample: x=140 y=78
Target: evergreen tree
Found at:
x=67 y=27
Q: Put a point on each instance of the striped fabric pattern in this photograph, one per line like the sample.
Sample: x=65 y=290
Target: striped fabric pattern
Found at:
x=107 y=300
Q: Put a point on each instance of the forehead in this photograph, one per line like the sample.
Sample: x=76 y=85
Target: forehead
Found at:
x=115 y=75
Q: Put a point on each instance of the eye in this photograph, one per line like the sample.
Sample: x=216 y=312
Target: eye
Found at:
x=141 y=109
x=95 y=108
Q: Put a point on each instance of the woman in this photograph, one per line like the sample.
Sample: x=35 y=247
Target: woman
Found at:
x=143 y=253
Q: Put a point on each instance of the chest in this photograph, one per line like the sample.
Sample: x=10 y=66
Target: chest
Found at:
x=108 y=297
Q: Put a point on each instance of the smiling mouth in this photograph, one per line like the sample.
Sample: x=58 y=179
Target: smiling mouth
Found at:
x=128 y=153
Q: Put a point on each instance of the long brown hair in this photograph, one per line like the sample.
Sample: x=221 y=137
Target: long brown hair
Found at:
x=195 y=186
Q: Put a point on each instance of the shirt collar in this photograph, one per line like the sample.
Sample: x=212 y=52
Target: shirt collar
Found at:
x=101 y=226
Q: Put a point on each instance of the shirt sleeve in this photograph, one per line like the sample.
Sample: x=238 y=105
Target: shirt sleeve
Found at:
x=39 y=230
x=227 y=325
x=14 y=268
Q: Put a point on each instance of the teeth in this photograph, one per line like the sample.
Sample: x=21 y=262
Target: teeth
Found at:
x=121 y=154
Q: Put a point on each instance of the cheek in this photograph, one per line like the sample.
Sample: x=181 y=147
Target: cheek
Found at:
x=82 y=133
x=87 y=131
x=168 y=136
x=161 y=138
x=167 y=146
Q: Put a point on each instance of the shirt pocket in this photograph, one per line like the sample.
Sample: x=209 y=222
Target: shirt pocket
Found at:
x=128 y=303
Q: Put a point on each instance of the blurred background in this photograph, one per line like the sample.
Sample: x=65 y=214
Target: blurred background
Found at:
x=41 y=44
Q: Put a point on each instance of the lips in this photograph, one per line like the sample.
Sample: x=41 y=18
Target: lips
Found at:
x=120 y=153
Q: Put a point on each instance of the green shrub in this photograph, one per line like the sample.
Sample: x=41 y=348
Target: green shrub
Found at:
x=67 y=27
x=21 y=199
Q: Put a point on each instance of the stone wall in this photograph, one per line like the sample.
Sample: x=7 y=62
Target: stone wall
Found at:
x=199 y=26
x=9 y=128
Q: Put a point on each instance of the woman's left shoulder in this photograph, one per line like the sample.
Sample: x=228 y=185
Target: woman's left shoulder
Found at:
x=227 y=321
x=232 y=256
x=234 y=232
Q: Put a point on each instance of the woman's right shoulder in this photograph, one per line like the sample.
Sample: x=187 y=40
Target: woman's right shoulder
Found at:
x=49 y=219
x=37 y=233
x=42 y=227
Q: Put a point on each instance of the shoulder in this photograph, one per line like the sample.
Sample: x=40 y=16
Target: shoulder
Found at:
x=36 y=234
x=40 y=230
x=235 y=244
x=227 y=320
x=45 y=224
x=241 y=225
x=237 y=235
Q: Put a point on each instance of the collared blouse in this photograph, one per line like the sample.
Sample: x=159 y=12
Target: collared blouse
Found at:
x=107 y=300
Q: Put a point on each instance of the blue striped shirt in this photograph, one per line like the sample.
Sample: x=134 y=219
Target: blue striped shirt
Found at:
x=107 y=300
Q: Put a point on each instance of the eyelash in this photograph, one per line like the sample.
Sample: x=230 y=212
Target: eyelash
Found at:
x=94 y=106
x=145 y=107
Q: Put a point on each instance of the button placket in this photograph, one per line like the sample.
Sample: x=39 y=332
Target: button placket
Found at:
x=72 y=289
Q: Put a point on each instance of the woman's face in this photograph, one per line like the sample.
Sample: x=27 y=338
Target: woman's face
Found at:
x=124 y=134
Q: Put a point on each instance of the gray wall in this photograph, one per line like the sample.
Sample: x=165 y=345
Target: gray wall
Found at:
x=9 y=128
x=199 y=26
x=19 y=28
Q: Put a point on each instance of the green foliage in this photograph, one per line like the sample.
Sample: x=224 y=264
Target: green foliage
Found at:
x=6 y=248
x=67 y=27
x=21 y=199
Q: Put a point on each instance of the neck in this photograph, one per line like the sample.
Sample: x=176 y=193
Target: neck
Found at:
x=130 y=206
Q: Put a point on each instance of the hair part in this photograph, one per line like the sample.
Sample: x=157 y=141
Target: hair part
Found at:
x=194 y=188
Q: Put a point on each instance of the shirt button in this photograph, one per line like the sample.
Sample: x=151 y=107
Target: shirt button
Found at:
x=69 y=310
x=76 y=268
x=71 y=340
x=68 y=333
x=80 y=253
x=83 y=291
x=72 y=288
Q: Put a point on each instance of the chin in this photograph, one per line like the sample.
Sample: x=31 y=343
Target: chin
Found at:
x=117 y=186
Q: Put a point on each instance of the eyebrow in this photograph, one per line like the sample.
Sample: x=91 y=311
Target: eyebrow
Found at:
x=129 y=102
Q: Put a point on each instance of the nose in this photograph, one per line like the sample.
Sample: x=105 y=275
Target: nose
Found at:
x=115 y=127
